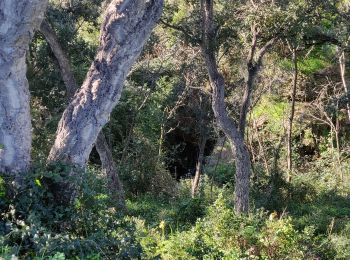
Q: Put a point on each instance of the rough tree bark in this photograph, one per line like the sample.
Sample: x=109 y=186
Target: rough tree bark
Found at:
x=243 y=164
x=108 y=165
x=127 y=26
x=291 y=116
x=18 y=20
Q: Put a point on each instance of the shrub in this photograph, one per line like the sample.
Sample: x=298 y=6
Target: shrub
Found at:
x=34 y=224
x=341 y=243
x=222 y=234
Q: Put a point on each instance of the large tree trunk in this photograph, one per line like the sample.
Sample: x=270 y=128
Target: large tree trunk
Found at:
x=125 y=30
x=108 y=166
x=18 y=20
x=243 y=164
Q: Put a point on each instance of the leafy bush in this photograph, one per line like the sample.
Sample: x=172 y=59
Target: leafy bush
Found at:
x=35 y=224
x=222 y=234
x=180 y=211
x=222 y=174
x=341 y=243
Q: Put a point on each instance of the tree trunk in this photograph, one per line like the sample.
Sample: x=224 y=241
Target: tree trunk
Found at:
x=291 y=118
x=262 y=151
x=252 y=71
x=243 y=164
x=342 y=65
x=125 y=30
x=253 y=66
x=18 y=20
x=61 y=57
x=110 y=169
x=337 y=143
x=199 y=166
x=108 y=166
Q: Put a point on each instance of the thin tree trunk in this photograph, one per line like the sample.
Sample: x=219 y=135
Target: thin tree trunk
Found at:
x=243 y=164
x=125 y=30
x=337 y=142
x=108 y=166
x=160 y=142
x=199 y=166
x=276 y=154
x=262 y=151
x=342 y=65
x=110 y=169
x=18 y=20
x=252 y=71
x=291 y=117
x=127 y=143
x=251 y=147
x=253 y=66
x=61 y=57
x=216 y=166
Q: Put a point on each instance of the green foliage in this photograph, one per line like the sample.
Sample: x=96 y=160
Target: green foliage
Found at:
x=311 y=65
x=310 y=222
x=224 y=235
x=2 y=187
x=317 y=59
x=222 y=173
x=60 y=212
x=179 y=211
x=342 y=243
x=34 y=224
x=271 y=111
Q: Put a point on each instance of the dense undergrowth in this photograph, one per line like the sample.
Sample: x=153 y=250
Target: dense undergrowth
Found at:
x=305 y=219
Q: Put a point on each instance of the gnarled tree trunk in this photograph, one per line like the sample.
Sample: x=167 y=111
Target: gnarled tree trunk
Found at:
x=108 y=166
x=243 y=164
x=18 y=20
x=126 y=28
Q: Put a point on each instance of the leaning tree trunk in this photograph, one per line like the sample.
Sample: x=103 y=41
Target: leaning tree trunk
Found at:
x=18 y=19
x=126 y=28
x=108 y=166
x=243 y=164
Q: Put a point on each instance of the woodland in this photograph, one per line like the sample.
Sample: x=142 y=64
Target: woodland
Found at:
x=164 y=129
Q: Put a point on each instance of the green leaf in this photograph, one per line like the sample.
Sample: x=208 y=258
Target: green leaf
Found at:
x=38 y=183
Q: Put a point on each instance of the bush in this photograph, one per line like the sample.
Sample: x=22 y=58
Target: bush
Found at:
x=222 y=234
x=222 y=174
x=35 y=224
x=341 y=243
